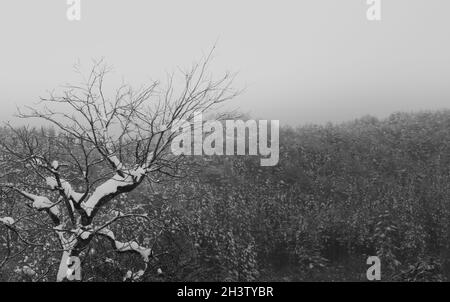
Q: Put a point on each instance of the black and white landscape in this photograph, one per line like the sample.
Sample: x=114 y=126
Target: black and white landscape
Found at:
x=209 y=140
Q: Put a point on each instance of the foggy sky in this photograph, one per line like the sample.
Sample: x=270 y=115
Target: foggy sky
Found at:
x=301 y=61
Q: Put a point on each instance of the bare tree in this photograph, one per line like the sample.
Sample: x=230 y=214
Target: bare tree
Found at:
x=106 y=147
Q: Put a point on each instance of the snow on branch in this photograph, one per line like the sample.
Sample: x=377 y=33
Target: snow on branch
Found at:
x=67 y=244
x=116 y=162
x=129 y=246
x=55 y=165
x=7 y=220
x=112 y=187
x=66 y=187
x=42 y=203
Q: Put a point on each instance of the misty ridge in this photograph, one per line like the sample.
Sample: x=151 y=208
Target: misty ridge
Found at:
x=101 y=185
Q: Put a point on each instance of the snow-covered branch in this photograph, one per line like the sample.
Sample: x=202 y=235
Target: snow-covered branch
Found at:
x=111 y=188
x=66 y=188
x=129 y=246
x=40 y=203
x=7 y=220
x=128 y=133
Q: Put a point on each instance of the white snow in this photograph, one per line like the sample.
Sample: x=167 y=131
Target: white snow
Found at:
x=139 y=172
x=42 y=203
x=28 y=271
x=68 y=190
x=127 y=276
x=84 y=234
x=117 y=213
x=116 y=162
x=38 y=161
x=63 y=267
x=139 y=274
x=7 y=220
x=110 y=187
x=51 y=182
x=132 y=276
x=55 y=165
x=128 y=246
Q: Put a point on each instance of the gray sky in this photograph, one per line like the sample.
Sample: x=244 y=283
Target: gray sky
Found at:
x=302 y=61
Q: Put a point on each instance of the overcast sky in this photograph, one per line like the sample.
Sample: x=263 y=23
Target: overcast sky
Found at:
x=302 y=61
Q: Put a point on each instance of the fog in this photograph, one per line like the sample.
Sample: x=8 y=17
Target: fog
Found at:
x=308 y=61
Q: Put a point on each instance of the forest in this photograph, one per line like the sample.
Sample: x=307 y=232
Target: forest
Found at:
x=340 y=193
